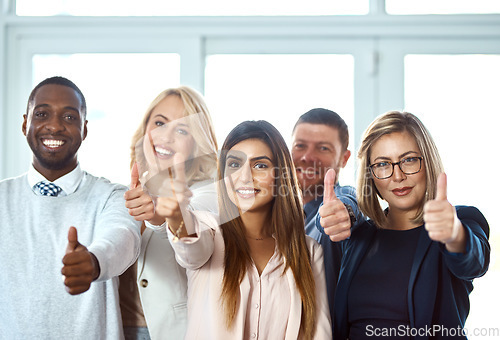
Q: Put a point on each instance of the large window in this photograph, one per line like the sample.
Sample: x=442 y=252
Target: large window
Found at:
x=442 y=6
x=118 y=89
x=189 y=7
x=455 y=96
x=279 y=88
x=270 y=60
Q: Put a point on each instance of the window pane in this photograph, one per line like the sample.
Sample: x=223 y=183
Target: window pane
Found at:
x=118 y=89
x=279 y=88
x=189 y=7
x=442 y=7
x=456 y=98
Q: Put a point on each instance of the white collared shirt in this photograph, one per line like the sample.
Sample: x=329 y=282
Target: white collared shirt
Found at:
x=68 y=183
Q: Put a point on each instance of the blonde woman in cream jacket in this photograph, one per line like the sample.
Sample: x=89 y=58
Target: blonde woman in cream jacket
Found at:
x=153 y=293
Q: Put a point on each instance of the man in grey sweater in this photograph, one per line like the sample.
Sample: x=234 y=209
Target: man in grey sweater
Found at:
x=40 y=214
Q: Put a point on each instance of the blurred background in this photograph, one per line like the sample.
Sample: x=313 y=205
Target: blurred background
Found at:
x=273 y=60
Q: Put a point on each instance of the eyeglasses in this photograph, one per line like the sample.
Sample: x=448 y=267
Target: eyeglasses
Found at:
x=408 y=166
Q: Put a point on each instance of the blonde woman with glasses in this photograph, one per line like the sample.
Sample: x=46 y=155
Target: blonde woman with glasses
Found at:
x=407 y=271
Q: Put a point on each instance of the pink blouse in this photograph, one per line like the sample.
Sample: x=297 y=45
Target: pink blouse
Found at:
x=270 y=304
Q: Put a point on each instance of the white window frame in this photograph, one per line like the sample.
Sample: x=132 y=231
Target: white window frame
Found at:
x=377 y=41
x=361 y=49
x=367 y=37
x=24 y=44
x=391 y=79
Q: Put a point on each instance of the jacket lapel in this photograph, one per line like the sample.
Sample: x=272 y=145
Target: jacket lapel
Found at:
x=423 y=245
x=145 y=238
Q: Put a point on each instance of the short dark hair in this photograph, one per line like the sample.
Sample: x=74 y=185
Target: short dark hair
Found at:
x=57 y=80
x=328 y=118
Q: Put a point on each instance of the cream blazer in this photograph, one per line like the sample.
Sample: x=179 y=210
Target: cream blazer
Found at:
x=162 y=282
x=203 y=258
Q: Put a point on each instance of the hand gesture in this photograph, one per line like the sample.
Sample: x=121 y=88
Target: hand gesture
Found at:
x=441 y=221
x=138 y=202
x=172 y=208
x=80 y=266
x=334 y=215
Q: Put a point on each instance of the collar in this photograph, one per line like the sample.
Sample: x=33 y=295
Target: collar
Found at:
x=311 y=207
x=69 y=183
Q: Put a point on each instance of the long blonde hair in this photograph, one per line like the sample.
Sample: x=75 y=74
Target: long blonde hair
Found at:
x=287 y=226
x=204 y=161
x=387 y=123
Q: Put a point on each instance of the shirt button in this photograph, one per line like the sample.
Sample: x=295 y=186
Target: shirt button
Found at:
x=256 y=305
x=144 y=283
x=254 y=335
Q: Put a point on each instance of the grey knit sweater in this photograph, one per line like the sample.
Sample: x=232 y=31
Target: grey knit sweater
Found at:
x=33 y=237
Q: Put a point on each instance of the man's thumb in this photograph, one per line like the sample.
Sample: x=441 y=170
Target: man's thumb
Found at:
x=329 y=189
x=72 y=240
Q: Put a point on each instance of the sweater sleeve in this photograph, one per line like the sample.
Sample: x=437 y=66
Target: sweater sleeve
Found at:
x=475 y=261
x=347 y=195
x=116 y=241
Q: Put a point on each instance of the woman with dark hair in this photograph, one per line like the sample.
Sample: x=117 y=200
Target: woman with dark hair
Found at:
x=252 y=272
x=407 y=271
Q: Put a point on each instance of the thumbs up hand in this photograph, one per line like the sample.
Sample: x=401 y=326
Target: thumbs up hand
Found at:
x=334 y=216
x=441 y=221
x=134 y=176
x=180 y=195
x=80 y=267
x=138 y=202
x=173 y=207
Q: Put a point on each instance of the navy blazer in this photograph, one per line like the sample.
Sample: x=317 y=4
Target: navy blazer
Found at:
x=440 y=281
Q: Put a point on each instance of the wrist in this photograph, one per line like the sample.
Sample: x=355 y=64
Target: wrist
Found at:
x=96 y=267
x=157 y=220
x=458 y=244
x=350 y=211
x=177 y=229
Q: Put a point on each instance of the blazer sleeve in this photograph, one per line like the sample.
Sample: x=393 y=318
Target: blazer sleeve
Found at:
x=193 y=252
x=347 y=195
x=475 y=261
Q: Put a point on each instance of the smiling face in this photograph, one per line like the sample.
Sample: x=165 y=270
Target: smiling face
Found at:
x=167 y=133
x=404 y=193
x=250 y=175
x=315 y=149
x=55 y=128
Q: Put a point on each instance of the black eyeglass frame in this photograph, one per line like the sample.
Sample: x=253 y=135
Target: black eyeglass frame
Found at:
x=420 y=158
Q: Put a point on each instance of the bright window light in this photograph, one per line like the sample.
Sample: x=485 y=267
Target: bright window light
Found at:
x=456 y=98
x=279 y=88
x=442 y=6
x=189 y=7
x=118 y=89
